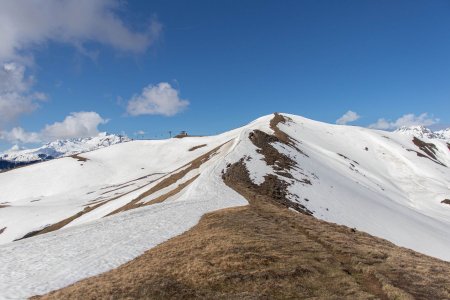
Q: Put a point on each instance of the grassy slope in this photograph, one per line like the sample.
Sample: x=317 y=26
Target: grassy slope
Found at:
x=267 y=251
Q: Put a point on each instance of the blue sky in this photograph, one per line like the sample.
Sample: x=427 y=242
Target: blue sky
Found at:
x=209 y=66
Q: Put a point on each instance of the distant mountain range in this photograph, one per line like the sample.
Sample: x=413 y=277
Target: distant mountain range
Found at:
x=422 y=131
x=16 y=157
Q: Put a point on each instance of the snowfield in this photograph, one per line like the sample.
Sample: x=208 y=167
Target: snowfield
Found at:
x=61 y=148
x=379 y=182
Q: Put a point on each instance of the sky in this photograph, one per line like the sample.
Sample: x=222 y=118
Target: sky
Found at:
x=73 y=68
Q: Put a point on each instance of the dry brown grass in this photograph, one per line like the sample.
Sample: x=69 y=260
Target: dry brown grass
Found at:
x=79 y=158
x=197 y=147
x=62 y=223
x=264 y=251
x=169 y=180
x=429 y=149
x=173 y=192
x=166 y=181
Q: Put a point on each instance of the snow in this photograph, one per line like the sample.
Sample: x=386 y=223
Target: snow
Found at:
x=361 y=178
x=424 y=132
x=60 y=148
x=30 y=267
x=60 y=258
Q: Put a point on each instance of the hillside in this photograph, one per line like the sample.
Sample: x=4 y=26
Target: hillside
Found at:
x=263 y=251
x=96 y=211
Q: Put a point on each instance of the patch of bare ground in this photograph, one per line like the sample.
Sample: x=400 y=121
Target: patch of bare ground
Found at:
x=168 y=181
x=88 y=208
x=273 y=186
x=79 y=158
x=2 y=230
x=278 y=118
x=281 y=135
x=61 y=223
x=446 y=201
x=265 y=251
x=96 y=204
x=448 y=146
x=4 y=205
x=428 y=148
x=173 y=192
x=197 y=147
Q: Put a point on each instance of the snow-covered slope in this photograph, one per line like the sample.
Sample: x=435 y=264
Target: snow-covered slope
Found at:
x=61 y=148
x=388 y=184
x=443 y=134
x=424 y=132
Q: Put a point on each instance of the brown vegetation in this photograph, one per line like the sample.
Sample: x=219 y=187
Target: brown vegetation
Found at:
x=428 y=148
x=264 y=251
x=446 y=201
x=274 y=188
x=197 y=147
x=61 y=223
x=165 y=182
x=174 y=177
x=79 y=158
x=173 y=192
x=277 y=118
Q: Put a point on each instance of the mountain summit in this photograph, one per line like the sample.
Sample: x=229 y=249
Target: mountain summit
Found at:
x=93 y=212
x=424 y=132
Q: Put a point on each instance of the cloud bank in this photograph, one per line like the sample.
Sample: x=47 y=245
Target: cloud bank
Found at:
x=348 y=117
x=76 y=125
x=27 y=24
x=160 y=99
x=406 y=120
x=16 y=96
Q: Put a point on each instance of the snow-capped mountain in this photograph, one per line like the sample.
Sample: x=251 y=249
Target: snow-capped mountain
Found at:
x=424 y=132
x=90 y=213
x=443 y=134
x=59 y=148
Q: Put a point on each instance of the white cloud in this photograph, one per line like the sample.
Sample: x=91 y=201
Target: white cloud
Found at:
x=19 y=135
x=160 y=99
x=139 y=132
x=348 y=117
x=16 y=97
x=406 y=120
x=26 y=24
x=83 y=24
x=76 y=125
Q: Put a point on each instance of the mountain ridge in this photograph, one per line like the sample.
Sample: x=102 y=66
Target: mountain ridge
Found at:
x=422 y=131
x=383 y=183
x=58 y=148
